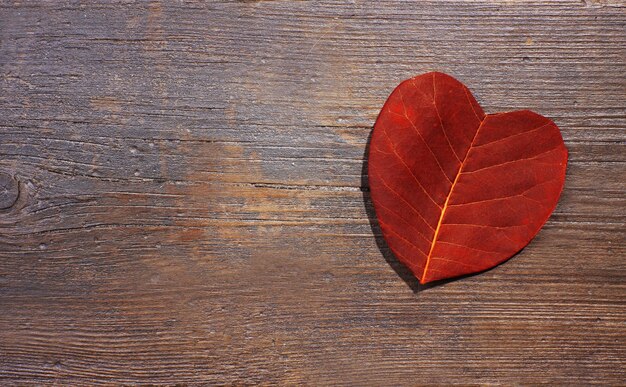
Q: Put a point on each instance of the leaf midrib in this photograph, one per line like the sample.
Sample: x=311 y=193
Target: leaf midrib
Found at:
x=445 y=204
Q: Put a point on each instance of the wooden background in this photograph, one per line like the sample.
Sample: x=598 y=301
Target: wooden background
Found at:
x=182 y=197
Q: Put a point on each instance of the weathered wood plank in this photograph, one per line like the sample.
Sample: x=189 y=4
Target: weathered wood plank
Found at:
x=186 y=200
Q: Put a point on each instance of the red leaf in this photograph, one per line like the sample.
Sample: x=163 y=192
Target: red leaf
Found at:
x=457 y=191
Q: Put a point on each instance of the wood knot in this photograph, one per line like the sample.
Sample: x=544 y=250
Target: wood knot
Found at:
x=9 y=190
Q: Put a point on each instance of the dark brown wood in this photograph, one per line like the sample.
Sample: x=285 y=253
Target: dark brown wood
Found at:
x=186 y=200
x=9 y=191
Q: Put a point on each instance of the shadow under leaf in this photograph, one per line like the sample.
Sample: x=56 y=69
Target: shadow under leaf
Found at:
x=400 y=269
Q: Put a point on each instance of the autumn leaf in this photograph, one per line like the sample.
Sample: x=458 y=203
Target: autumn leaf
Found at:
x=457 y=191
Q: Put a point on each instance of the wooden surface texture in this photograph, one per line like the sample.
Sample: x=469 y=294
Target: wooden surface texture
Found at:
x=183 y=197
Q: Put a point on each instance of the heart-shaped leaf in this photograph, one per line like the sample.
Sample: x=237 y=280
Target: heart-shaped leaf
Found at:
x=457 y=191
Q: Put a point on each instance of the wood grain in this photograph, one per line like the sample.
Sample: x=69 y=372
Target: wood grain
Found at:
x=186 y=200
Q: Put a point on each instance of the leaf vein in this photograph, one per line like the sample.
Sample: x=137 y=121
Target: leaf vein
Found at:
x=395 y=152
x=404 y=239
x=507 y=197
x=403 y=199
x=473 y=267
x=405 y=221
x=471 y=104
x=443 y=129
x=471 y=248
x=405 y=116
x=513 y=161
x=513 y=135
